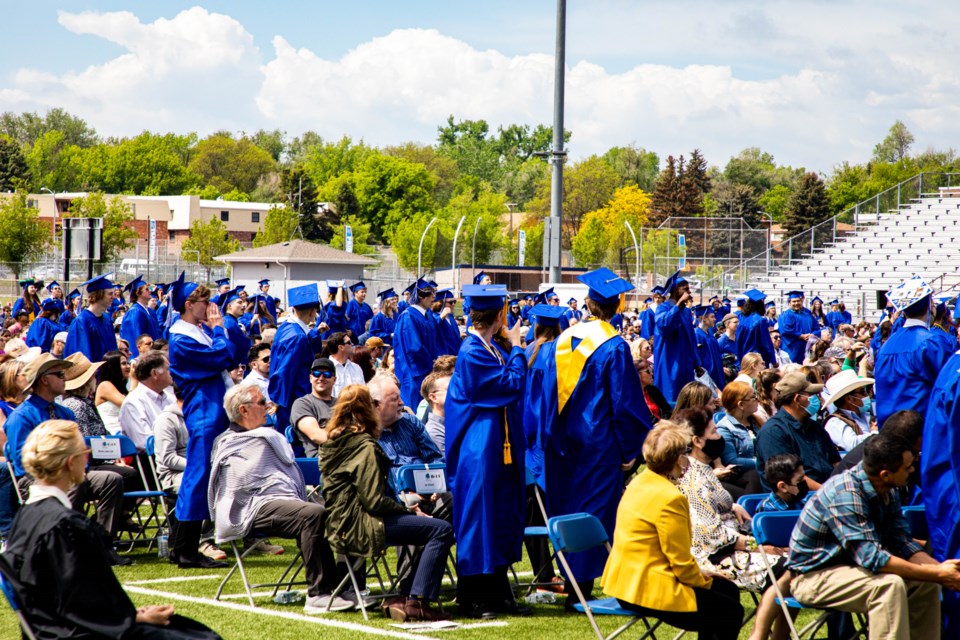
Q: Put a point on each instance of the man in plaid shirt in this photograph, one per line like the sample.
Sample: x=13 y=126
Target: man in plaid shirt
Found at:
x=851 y=549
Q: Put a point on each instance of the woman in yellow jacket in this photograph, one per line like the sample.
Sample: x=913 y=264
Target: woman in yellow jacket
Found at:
x=651 y=569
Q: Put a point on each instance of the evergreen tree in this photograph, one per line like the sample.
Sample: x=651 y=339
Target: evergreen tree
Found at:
x=300 y=192
x=13 y=164
x=664 y=201
x=807 y=206
x=696 y=172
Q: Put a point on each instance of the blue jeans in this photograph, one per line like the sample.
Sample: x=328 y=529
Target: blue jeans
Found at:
x=8 y=500
x=436 y=538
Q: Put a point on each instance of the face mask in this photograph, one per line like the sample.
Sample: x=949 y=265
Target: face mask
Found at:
x=813 y=406
x=713 y=448
x=867 y=405
x=802 y=490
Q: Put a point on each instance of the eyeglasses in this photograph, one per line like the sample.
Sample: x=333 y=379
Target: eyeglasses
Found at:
x=265 y=359
x=319 y=373
x=262 y=402
x=59 y=374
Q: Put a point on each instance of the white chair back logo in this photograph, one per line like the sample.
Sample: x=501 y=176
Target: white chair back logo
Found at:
x=104 y=448
x=429 y=481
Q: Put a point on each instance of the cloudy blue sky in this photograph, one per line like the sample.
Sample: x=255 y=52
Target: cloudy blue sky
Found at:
x=814 y=82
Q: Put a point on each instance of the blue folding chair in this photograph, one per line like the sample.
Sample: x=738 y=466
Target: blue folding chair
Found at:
x=310 y=468
x=7 y=587
x=582 y=532
x=916 y=516
x=154 y=498
x=425 y=479
x=751 y=501
x=291 y=436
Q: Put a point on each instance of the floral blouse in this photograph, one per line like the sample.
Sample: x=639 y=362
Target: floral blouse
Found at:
x=87 y=416
x=711 y=511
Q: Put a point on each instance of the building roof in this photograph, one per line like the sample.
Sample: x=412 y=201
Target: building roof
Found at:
x=297 y=251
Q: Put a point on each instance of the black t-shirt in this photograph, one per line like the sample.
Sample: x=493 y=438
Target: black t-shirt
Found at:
x=309 y=406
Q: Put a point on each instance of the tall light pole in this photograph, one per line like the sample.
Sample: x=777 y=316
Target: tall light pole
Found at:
x=636 y=270
x=453 y=260
x=473 y=254
x=769 y=218
x=557 y=154
x=53 y=229
x=420 y=249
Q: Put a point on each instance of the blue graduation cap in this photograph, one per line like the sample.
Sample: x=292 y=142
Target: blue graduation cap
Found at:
x=134 y=284
x=356 y=287
x=98 y=283
x=726 y=301
x=571 y=300
x=479 y=277
x=512 y=302
x=26 y=283
x=604 y=285
x=422 y=286
x=222 y=282
x=755 y=295
x=833 y=302
x=658 y=290
x=53 y=283
x=770 y=304
x=180 y=290
x=528 y=297
x=409 y=289
x=263 y=282
x=229 y=296
x=445 y=294
x=817 y=299
x=704 y=309
x=304 y=296
x=648 y=300
x=714 y=299
x=74 y=294
x=547 y=315
x=741 y=301
x=543 y=296
x=49 y=303
x=673 y=282
x=333 y=285
x=387 y=294
x=793 y=295
x=483 y=297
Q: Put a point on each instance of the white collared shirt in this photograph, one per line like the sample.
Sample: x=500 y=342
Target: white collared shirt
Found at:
x=262 y=381
x=422 y=311
x=139 y=410
x=40 y=492
x=349 y=373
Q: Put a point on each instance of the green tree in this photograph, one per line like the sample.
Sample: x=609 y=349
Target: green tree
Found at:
x=23 y=237
x=603 y=236
x=208 y=239
x=326 y=161
x=300 y=193
x=533 y=253
x=774 y=201
x=361 y=235
x=520 y=181
x=26 y=128
x=444 y=169
x=229 y=164
x=587 y=186
x=665 y=203
x=737 y=201
x=696 y=173
x=270 y=141
x=659 y=243
x=896 y=146
x=634 y=165
x=300 y=146
x=467 y=143
x=148 y=164
x=118 y=232
x=278 y=226
x=13 y=164
x=808 y=205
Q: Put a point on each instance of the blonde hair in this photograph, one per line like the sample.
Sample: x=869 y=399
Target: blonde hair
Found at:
x=751 y=363
x=49 y=446
x=664 y=445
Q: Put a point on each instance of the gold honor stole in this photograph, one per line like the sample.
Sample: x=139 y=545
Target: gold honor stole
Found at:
x=570 y=361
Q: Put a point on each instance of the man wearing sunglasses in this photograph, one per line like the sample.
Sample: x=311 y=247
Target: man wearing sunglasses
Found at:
x=340 y=346
x=258 y=360
x=310 y=413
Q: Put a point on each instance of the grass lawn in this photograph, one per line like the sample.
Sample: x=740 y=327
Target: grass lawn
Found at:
x=236 y=621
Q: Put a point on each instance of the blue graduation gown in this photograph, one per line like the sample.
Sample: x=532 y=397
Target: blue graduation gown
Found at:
x=198 y=369
x=531 y=332
x=239 y=342
x=710 y=359
x=940 y=478
x=41 y=332
x=602 y=426
x=792 y=325
x=728 y=346
x=490 y=509
x=674 y=349
x=137 y=321
x=570 y=314
x=18 y=304
x=415 y=349
x=271 y=303
x=906 y=368
x=91 y=336
x=448 y=335
x=291 y=354
x=753 y=335
x=403 y=305
x=382 y=327
x=836 y=318
x=514 y=317
x=524 y=312
x=66 y=319
x=647 y=322
x=335 y=317
x=539 y=406
x=357 y=316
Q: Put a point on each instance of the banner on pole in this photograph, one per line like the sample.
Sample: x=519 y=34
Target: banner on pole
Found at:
x=522 y=247
x=348 y=238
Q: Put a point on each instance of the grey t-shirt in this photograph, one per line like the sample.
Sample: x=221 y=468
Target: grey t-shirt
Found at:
x=309 y=406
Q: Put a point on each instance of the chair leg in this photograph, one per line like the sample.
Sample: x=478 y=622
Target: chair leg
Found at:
x=243 y=574
x=356 y=589
x=286 y=571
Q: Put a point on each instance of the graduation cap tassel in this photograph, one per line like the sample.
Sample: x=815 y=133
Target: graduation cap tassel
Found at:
x=507 y=452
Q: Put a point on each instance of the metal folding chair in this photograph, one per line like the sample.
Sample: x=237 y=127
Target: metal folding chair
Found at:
x=8 y=454
x=6 y=575
x=427 y=479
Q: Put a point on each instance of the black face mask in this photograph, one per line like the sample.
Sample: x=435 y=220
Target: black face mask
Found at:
x=802 y=490
x=713 y=448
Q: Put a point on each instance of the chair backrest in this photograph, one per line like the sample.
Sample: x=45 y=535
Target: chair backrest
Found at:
x=425 y=479
x=150 y=447
x=751 y=501
x=775 y=527
x=310 y=468
x=576 y=532
x=291 y=436
x=916 y=516
x=127 y=448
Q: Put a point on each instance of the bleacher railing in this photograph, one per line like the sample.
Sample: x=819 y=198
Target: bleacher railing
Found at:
x=824 y=234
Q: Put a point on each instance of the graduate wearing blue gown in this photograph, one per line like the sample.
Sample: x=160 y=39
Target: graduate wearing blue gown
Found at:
x=753 y=332
x=358 y=311
x=56 y=294
x=199 y=358
x=70 y=312
x=448 y=331
x=293 y=350
x=485 y=456
x=910 y=361
x=404 y=304
x=940 y=479
x=648 y=319
x=92 y=332
x=674 y=345
x=231 y=305
x=572 y=313
x=268 y=300
x=514 y=311
x=547 y=297
x=540 y=397
x=334 y=313
x=384 y=322
x=526 y=307
x=771 y=319
x=838 y=317
x=708 y=351
x=118 y=299
x=138 y=319
x=43 y=329
x=415 y=344
x=728 y=345
x=32 y=304
x=602 y=417
x=796 y=325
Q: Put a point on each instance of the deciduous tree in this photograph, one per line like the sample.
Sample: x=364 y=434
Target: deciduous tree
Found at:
x=229 y=164
x=208 y=239
x=278 y=226
x=603 y=235
x=896 y=146
x=361 y=235
x=118 y=232
x=23 y=237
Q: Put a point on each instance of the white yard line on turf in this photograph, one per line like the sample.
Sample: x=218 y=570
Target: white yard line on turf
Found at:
x=352 y=626
x=177 y=579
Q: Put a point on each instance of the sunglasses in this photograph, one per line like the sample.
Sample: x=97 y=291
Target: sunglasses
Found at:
x=262 y=402
x=317 y=373
x=265 y=360
x=59 y=374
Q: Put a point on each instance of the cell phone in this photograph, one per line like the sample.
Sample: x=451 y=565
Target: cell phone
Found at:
x=736 y=469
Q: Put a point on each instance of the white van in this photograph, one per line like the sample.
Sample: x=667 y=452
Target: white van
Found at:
x=133 y=266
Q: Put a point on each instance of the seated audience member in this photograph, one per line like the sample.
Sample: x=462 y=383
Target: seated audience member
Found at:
x=750 y=367
x=434 y=391
x=766 y=382
x=363 y=358
x=12 y=394
x=904 y=424
x=58 y=562
x=340 y=347
x=786 y=475
x=852 y=550
x=59 y=344
x=794 y=430
x=738 y=427
x=255 y=484
x=142 y=405
x=696 y=394
x=443 y=365
x=656 y=403
x=651 y=569
x=849 y=425
x=721 y=539
x=363 y=514
x=114 y=378
x=258 y=360
x=309 y=413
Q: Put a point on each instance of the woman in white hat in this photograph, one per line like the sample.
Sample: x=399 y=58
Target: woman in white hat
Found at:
x=849 y=394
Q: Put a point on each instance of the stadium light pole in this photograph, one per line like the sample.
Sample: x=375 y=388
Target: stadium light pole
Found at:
x=769 y=218
x=53 y=229
x=453 y=260
x=420 y=248
x=473 y=254
x=557 y=154
x=636 y=270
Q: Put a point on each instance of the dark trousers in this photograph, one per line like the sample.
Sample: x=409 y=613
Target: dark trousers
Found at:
x=105 y=488
x=436 y=538
x=538 y=547
x=484 y=588
x=8 y=501
x=718 y=616
x=409 y=556
x=746 y=483
x=304 y=521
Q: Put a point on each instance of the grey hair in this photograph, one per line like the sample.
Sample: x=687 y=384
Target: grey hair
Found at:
x=237 y=396
x=378 y=386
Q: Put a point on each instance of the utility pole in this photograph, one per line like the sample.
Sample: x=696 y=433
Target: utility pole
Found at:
x=557 y=154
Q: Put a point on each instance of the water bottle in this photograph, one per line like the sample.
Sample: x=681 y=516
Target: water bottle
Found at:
x=541 y=597
x=163 y=545
x=288 y=597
